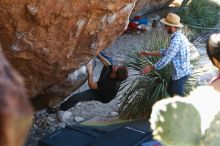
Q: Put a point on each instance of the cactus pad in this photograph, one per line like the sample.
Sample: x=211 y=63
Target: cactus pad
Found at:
x=212 y=134
x=176 y=123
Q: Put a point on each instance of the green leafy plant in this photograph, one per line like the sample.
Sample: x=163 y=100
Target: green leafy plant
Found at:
x=199 y=14
x=140 y=92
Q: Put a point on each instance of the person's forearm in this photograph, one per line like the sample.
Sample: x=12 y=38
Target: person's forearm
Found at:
x=149 y=53
x=91 y=83
x=103 y=60
x=153 y=53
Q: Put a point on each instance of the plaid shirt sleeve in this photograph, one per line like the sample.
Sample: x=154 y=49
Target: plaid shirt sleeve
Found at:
x=169 y=53
x=162 y=51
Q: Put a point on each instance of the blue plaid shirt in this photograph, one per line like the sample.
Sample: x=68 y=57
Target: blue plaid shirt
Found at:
x=178 y=53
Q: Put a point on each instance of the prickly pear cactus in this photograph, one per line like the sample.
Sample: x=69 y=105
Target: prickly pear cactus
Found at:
x=176 y=123
x=212 y=134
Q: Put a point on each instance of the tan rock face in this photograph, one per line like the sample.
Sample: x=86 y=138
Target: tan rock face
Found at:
x=15 y=109
x=47 y=40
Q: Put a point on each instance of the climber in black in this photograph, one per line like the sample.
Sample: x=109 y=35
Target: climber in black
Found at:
x=104 y=90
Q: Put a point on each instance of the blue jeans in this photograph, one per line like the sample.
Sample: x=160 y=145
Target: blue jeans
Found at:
x=176 y=87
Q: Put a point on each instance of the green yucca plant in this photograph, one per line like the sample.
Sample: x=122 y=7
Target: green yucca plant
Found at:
x=199 y=14
x=140 y=92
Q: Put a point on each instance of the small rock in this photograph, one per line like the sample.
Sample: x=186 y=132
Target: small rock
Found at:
x=62 y=125
x=40 y=113
x=113 y=114
x=79 y=119
x=65 y=116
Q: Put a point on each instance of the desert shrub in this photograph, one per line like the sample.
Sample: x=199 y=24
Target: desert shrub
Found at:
x=199 y=14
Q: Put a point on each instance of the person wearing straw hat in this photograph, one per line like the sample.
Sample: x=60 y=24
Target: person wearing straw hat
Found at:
x=177 y=53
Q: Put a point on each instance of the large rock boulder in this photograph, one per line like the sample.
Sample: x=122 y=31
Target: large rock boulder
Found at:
x=47 y=40
x=15 y=109
x=146 y=6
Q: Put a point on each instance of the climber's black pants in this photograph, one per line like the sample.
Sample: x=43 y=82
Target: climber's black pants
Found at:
x=87 y=95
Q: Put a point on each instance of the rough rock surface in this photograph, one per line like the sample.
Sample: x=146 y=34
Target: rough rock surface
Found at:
x=145 y=6
x=15 y=109
x=46 y=40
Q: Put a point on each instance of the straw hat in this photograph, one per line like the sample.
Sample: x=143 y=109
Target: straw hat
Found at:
x=172 y=20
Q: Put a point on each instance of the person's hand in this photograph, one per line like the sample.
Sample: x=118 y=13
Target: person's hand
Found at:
x=142 y=53
x=97 y=53
x=146 y=69
x=89 y=67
